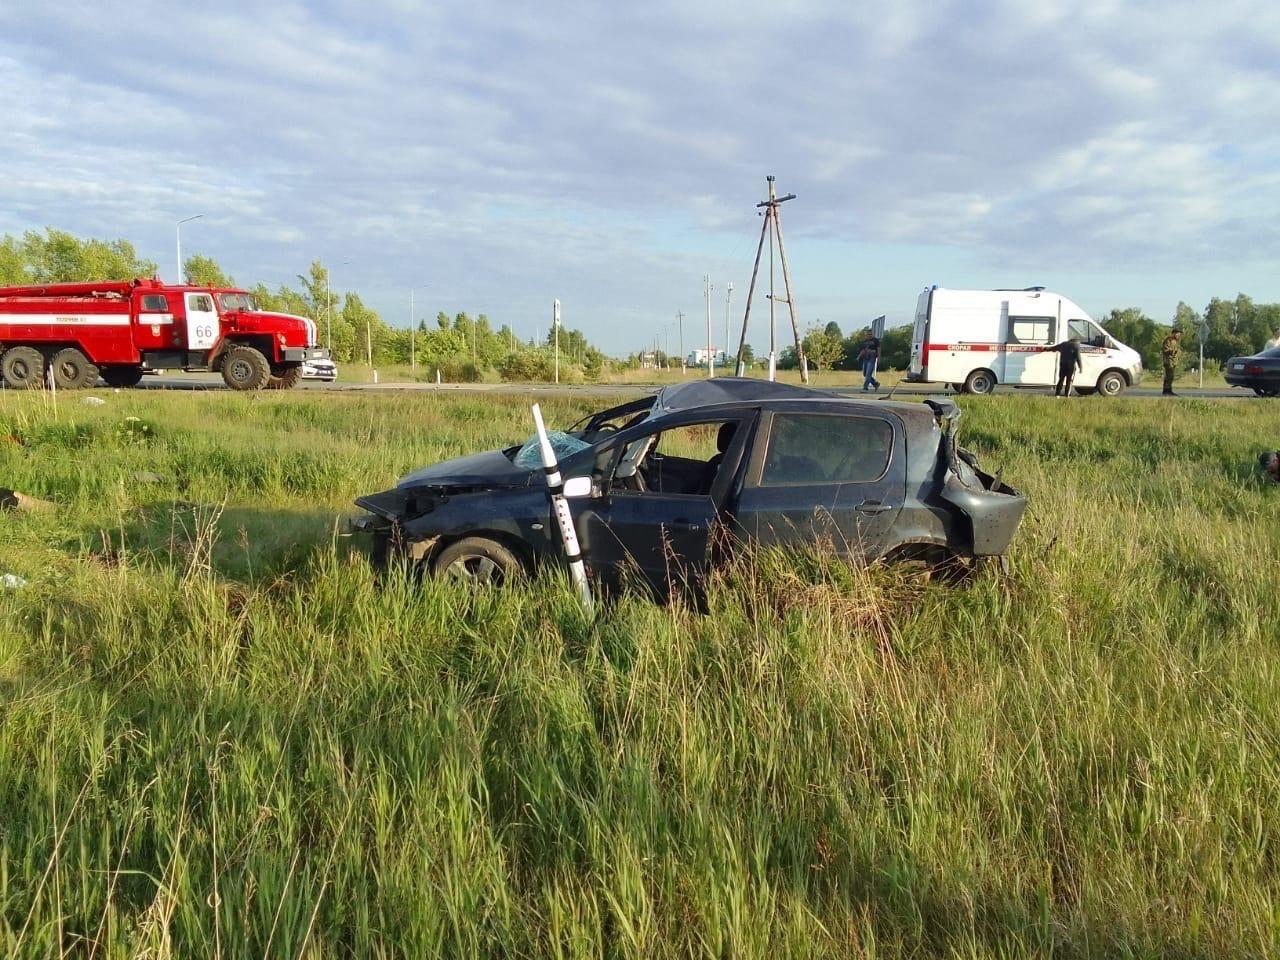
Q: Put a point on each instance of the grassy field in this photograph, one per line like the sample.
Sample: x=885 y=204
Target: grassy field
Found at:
x=219 y=737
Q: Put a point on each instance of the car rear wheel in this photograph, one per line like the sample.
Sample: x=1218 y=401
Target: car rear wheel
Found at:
x=22 y=368
x=980 y=382
x=72 y=370
x=1111 y=383
x=478 y=561
x=1266 y=391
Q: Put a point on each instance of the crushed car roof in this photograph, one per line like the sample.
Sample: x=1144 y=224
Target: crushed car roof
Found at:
x=704 y=393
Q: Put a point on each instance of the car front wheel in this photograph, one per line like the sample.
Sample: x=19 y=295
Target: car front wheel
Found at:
x=478 y=561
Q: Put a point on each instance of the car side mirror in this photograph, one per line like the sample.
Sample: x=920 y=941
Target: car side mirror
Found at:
x=577 y=488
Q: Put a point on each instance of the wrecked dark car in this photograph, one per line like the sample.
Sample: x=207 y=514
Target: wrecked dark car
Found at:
x=667 y=486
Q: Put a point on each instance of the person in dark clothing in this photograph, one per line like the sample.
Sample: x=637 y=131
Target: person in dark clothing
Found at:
x=868 y=358
x=1068 y=363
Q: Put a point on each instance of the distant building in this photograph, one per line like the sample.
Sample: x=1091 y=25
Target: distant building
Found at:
x=698 y=357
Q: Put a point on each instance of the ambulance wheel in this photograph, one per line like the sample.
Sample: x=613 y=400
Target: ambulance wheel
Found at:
x=286 y=379
x=122 y=376
x=1111 y=383
x=980 y=382
x=22 y=368
x=244 y=368
x=72 y=370
x=478 y=561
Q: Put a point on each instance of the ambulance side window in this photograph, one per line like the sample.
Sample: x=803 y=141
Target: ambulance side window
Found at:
x=155 y=302
x=1031 y=330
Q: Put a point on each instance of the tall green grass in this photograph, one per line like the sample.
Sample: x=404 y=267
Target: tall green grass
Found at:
x=219 y=736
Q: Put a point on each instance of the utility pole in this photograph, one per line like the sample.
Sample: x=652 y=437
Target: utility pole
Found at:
x=413 y=351
x=711 y=363
x=328 y=311
x=728 y=305
x=773 y=225
x=177 y=230
x=555 y=323
x=680 y=321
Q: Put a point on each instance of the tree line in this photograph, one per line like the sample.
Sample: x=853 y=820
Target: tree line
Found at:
x=462 y=347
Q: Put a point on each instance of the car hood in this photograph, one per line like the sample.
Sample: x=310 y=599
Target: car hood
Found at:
x=489 y=469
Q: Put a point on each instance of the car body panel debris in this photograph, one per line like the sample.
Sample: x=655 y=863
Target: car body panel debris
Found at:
x=679 y=481
x=21 y=503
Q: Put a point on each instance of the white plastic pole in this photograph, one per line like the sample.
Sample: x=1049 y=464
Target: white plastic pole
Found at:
x=564 y=519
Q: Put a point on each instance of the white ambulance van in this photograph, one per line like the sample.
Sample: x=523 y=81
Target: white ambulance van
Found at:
x=975 y=339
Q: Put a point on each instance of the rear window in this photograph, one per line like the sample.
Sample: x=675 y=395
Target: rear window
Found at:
x=807 y=448
x=155 y=301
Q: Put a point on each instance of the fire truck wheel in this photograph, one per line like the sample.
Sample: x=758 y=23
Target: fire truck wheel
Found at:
x=244 y=368
x=122 y=376
x=22 y=368
x=72 y=370
x=286 y=379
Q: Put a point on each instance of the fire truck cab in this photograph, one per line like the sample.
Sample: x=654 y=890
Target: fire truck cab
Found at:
x=71 y=334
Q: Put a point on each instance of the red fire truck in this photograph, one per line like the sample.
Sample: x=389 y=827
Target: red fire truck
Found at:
x=119 y=329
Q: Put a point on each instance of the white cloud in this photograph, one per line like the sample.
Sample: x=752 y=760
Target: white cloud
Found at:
x=597 y=146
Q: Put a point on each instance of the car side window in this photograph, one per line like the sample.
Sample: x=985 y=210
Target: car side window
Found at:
x=202 y=303
x=682 y=459
x=807 y=448
x=155 y=302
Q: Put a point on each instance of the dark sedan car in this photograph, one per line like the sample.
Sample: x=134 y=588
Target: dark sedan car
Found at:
x=1259 y=373
x=650 y=483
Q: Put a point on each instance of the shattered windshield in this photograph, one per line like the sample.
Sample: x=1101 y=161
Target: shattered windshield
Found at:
x=530 y=457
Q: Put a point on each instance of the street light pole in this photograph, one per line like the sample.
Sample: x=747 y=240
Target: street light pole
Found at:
x=177 y=230
x=711 y=362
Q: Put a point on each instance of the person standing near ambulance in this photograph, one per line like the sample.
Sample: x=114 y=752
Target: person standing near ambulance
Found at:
x=1068 y=363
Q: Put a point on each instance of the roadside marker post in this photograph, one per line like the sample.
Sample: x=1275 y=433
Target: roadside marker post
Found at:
x=564 y=519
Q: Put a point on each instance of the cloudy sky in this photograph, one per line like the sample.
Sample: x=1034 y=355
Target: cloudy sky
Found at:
x=498 y=155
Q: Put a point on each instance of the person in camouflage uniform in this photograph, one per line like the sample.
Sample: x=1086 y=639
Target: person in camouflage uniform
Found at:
x=1170 y=351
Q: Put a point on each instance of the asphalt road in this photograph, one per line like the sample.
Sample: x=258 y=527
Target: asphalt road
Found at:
x=212 y=381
